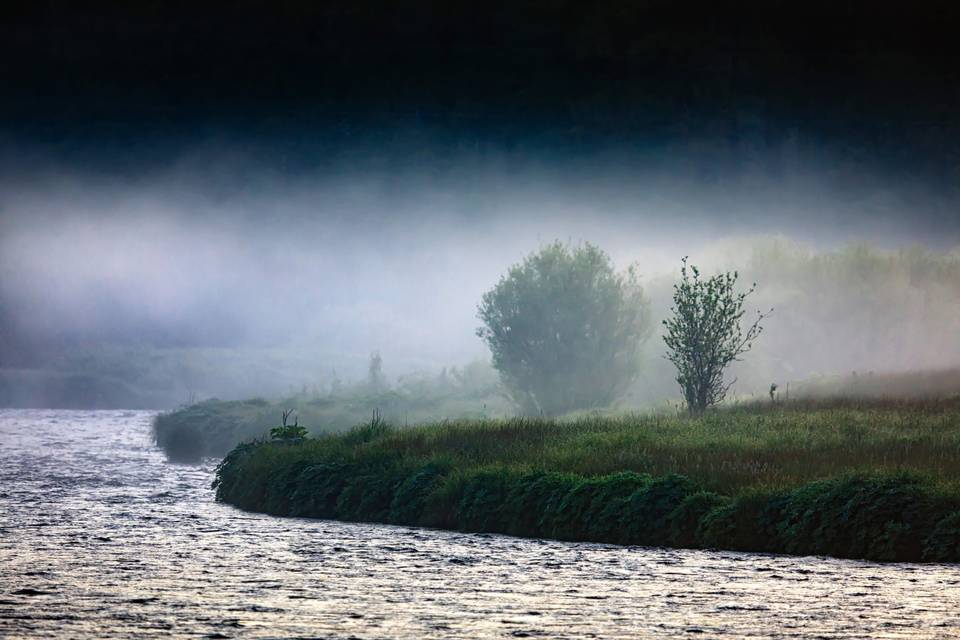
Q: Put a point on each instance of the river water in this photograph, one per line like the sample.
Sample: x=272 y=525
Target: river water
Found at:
x=101 y=537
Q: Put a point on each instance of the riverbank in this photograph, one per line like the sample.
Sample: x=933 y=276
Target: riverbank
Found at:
x=112 y=541
x=213 y=427
x=876 y=480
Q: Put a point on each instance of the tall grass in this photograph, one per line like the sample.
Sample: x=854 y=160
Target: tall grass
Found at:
x=877 y=479
x=727 y=450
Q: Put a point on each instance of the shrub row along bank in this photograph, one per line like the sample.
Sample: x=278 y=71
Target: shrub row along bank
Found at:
x=886 y=517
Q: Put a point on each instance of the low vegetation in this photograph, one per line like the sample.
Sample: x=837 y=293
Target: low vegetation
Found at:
x=213 y=427
x=850 y=477
x=857 y=479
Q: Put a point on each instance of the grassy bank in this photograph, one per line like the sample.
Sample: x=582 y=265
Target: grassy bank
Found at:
x=213 y=427
x=877 y=480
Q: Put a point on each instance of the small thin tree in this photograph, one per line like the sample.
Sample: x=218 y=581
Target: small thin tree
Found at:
x=704 y=334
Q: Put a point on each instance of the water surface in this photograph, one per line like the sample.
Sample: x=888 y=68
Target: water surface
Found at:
x=101 y=537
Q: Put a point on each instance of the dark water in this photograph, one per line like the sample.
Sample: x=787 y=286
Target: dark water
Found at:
x=100 y=537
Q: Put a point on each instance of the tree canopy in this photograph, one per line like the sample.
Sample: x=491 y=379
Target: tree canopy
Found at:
x=565 y=329
x=703 y=334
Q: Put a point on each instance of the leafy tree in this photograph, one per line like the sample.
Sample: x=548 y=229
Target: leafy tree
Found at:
x=704 y=335
x=565 y=330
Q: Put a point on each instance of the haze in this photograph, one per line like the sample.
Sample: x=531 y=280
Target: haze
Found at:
x=325 y=267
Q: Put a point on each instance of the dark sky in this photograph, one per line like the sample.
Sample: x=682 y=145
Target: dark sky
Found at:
x=163 y=162
x=316 y=82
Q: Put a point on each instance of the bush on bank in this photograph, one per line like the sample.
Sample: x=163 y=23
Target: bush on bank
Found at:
x=213 y=427
x=363 y=476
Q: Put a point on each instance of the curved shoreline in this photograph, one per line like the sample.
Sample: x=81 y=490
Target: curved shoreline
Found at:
x=362 y=476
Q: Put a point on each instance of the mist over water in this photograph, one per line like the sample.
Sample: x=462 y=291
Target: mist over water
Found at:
x=296 y=207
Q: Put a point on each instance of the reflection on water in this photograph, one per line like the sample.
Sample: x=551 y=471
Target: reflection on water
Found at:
x=100 y=537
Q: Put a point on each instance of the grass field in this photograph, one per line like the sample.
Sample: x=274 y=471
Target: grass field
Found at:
x=873 y=479
x=727 y=450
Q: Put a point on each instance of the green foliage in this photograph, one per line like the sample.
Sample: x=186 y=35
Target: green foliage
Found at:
x=592 y=509
x=858 y=517
x=531 y=504
x=318 y=489
x=213 y=427
x=567 y=479
x=288 y=432
x=943 y=544
x=888 y=518
x=703 y=334
x=686 y=520
x=368 y=497
x=410 y=497
x=604 y=518
x=377 y=427
x=645 y=515
x=239 y=477
x=482 y=501
x=281 y=486
x=565 y=330
x=441 y=506
x=748 y=523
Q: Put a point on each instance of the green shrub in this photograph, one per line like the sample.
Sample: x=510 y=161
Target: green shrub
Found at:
x=441 y=507
x=603 y=519
x=317 y=489
x=566 y=512
x=411 y=496
x=367 y=498
x=236 y=479
x=280 y=486
x=748 y=523
x=943 y=544
x=528 y=508
x=484 y=496
x=858 y=517
x=376 y=429
x=686 y=520
x=645 y=516
x=288 y=433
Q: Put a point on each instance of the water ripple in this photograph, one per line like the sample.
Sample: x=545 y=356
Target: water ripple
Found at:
x=101 y=538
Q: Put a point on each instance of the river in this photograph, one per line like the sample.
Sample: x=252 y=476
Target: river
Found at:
x=101 y=537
